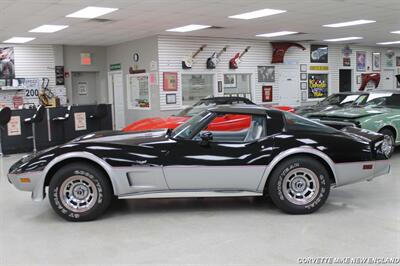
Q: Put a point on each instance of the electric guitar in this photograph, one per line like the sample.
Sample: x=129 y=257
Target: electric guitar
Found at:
x=188 y=61
x=234 y=62
x=213 y=61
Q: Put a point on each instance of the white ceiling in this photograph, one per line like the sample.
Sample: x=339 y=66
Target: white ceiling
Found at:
x=141 y=18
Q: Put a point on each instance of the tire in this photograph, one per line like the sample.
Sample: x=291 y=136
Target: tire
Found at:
x=291 y=176
x=85 y=186
x=390 y=140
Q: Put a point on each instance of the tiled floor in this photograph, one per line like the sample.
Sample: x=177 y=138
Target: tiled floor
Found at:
x=358 y=220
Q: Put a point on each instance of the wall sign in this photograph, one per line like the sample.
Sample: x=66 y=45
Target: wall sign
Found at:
x=361 y=61
x=170 y=98
x=267 y=93
x=376 y=61
x=80 y=121
x=86 y=59
x=317 y=86
x=319 y=53
x=138 y=91
x=82 y=88
x=319 y=68
x=14 y=126
x=115 y=67
x=170 y=81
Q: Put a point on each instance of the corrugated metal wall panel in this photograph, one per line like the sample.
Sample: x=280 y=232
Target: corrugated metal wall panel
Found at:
x=172 y=49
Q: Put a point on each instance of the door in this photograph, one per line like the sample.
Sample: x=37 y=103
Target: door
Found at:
x=344 y=80
x=289 y=86
x=116 y=98
x=84 y=88
x=233 y=161
x=388 y=79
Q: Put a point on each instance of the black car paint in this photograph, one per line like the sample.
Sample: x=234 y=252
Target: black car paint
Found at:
x=133 y=149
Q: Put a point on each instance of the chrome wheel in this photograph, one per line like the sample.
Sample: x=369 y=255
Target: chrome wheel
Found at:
x=300 y=186
x=78 y=193
x=387 y=146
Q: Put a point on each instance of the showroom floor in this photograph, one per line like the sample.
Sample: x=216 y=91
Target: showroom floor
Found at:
x=358 y=220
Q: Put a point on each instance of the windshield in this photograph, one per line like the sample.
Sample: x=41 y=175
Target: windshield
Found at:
x=339 y=99
x=188 y=129
x=375 y=99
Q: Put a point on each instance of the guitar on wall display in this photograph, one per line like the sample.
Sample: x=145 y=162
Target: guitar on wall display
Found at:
x=234 y=62
x=213 y=61
x=188 y=61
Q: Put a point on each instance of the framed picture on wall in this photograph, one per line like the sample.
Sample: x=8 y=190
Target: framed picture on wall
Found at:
x=376 y=61
x=318 y=53
x=361 y=61
x=170 y=98
x=398 y=61
x=267 y=93
x=170 y=81
x=303 y=85
x=303 y=76
x=346 y=61
x=266 y=74
x=219 y=86
x=303 y=67
x=358 y=79
x=317 y=86
x=230 y=80
x=304 y=96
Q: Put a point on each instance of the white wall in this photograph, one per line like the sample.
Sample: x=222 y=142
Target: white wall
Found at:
x=147 y=49
x=172 y=49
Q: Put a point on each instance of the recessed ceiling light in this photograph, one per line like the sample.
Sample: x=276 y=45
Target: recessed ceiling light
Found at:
x=49 y=28
x=19 y=40
x=258 y=14
x=395 y=32
x=343 y=39
x=191 y=27
x=349 y=23
x=91 y=12
x=388 y=43
x=276 y=34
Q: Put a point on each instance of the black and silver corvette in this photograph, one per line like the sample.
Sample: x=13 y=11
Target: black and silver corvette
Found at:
x=292 y=159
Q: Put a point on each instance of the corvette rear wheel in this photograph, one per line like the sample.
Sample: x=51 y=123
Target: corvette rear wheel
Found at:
x=80 y=192
x=299 y=185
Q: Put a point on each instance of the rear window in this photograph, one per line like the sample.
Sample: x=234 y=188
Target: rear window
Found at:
x=298 y=123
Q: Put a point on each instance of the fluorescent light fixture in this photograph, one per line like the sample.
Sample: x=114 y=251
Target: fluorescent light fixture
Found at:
x=91 y=12
x=388 y=43
x=276 y=34
x=343 y=39
x=349 y=23
x=395 y=32
x=191 y=27
x=49 y=28
x=19 y=40
x=258 y=14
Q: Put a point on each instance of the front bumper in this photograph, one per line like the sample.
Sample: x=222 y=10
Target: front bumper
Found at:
x=35 y=184
x=349 y=173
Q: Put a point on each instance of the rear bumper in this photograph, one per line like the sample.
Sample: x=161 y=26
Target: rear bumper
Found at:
x=349 y=173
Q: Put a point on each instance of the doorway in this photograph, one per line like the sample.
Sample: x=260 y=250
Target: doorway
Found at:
x=116 y=98
x=388 y=79
x=345 y=84
x=289 y=85
x=84 y=88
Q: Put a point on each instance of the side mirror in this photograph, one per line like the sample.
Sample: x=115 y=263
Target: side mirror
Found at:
x=206 y=137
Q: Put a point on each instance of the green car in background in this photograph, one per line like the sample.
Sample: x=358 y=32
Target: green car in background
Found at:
x=378 y=111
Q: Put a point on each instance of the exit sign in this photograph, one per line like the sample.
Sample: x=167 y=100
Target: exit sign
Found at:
x=114 y=67
x=86 y=59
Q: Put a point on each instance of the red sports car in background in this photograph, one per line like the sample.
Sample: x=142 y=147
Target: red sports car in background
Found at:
x=232 y=122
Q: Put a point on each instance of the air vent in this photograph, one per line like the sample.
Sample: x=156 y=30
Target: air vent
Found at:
x=100 y=20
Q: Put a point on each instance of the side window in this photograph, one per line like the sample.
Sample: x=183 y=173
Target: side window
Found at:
x=236 y=128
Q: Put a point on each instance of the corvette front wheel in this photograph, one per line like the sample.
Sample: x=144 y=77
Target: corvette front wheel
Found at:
x=80 y=192
x=299 y=185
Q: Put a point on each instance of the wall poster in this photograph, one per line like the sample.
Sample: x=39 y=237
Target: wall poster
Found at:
x=14 y=126
x=317 y=86
x=7 y=65
x=267 y=93
x=318 y=53
x=80 y=121
x=170 y=81
x=230 y=80
x=266 y=74
x=138 y=91
x=376 y=61
x=361 y=61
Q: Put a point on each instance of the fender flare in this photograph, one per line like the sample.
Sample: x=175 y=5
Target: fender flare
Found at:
x=285 y=154
x=39 y=194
